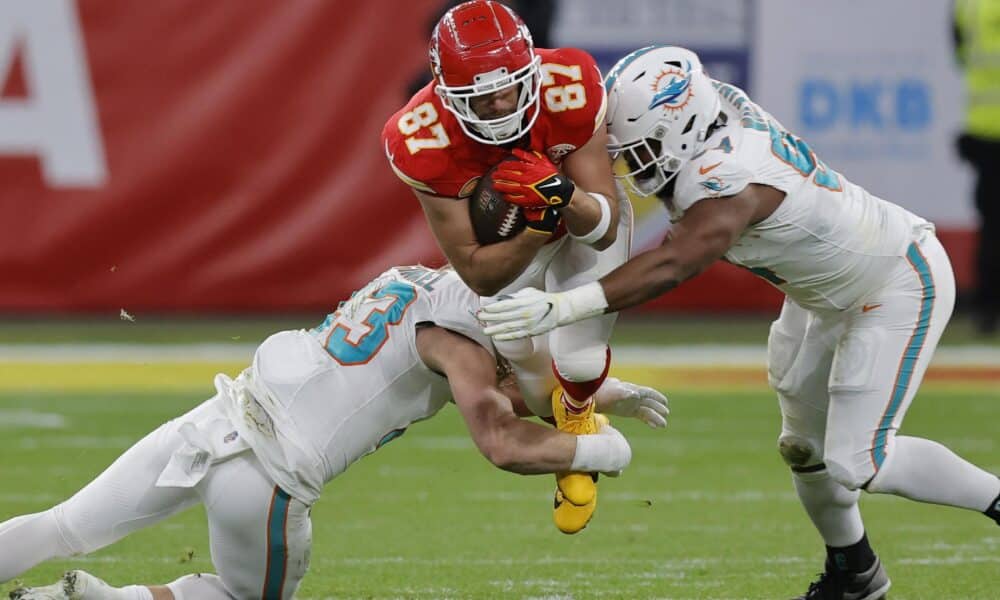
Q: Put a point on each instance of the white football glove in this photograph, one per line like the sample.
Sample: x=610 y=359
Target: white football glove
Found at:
x=531 y=312
x=617 y=397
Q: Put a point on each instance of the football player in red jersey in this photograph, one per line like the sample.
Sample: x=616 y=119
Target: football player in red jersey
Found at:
x=495 y=96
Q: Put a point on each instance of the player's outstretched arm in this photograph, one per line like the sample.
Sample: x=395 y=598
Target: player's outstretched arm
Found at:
x=614 y=397
x=485 y=269
x=707 y=230
x=507 y=441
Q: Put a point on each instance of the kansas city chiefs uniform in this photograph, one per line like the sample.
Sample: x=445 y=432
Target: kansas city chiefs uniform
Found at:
x=428 y=150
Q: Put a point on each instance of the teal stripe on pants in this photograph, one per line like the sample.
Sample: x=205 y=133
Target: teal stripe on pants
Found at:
x=277 y=545
x=910 y=355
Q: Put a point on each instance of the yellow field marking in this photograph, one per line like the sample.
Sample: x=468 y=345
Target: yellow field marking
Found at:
x=71 y=377
x=180 y=376
x=753 y=378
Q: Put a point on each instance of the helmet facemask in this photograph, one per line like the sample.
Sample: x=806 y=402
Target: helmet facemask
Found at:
x=645 y=165
x=500 y=130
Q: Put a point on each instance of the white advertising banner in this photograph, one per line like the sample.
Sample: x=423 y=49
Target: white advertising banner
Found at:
x=599 y=23
x=719 y=30
x=874 y=89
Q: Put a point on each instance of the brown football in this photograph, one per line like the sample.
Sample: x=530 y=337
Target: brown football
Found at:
x=493 y=218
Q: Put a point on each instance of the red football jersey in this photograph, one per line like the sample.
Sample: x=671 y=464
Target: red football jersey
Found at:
x=429 y=151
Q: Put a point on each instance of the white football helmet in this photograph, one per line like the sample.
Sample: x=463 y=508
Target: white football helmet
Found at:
x=660 y=106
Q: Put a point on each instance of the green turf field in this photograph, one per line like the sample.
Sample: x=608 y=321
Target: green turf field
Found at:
x=705 y=511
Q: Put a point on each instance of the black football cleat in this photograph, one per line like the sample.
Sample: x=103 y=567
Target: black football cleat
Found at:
x=993 y=511
x=871 y=584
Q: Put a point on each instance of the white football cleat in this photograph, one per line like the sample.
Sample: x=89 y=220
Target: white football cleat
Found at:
x=48 y=592
x=72 y=586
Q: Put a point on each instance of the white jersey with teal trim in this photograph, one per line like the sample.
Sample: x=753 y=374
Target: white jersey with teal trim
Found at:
x=829 y=242
x=313 y=402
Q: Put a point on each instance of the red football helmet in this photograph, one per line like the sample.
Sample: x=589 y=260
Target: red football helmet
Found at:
x=478 y=48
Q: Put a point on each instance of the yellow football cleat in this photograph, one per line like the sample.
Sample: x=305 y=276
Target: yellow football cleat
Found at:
x=578 y=488
x=576 y=421
x=576 y=493
x=571 y=518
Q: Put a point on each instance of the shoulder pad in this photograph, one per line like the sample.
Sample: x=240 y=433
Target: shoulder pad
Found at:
x=454 y=308
x=717 y=172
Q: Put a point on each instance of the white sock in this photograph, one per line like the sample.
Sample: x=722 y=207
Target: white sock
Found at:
x=129 y=592
x=95 y=588
x=200 y=586
x=832 y=508
x=578 y=404
x=926 y=471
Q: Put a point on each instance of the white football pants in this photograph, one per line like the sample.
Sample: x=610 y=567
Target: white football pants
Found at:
x=260 y=537
x=845 y=380
x=579 y=350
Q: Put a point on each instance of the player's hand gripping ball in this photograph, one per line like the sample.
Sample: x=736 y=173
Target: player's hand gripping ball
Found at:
x=494 y=219
x=532 y=181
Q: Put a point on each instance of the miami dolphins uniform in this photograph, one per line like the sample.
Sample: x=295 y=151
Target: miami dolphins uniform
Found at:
x=868 y=288
x=258 y=453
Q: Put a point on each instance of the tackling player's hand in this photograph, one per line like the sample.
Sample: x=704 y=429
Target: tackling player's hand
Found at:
x=617 y=397
x=532 y=181
x=530 y=312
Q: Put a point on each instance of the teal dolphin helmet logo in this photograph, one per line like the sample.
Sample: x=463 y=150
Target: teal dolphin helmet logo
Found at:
x=671 y=94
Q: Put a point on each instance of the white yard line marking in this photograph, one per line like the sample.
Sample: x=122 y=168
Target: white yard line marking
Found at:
x=23 y=419
x=76 y=441
x=937 y=561
x=29 y=498
x=740 y=497
x=688 y=563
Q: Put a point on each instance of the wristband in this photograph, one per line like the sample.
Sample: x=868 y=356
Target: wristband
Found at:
x=602 y=225
x=601 y=453
x=584 y=302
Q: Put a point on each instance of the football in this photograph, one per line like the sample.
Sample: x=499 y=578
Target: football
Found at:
x=493 y=218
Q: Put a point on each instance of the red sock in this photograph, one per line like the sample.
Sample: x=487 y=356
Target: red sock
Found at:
x=581 y=391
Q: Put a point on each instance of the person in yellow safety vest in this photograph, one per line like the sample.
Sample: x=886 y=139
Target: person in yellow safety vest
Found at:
x=977 y=44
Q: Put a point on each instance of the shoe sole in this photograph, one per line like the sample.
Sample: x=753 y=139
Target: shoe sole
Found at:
x=570 y=518
x=69 y=584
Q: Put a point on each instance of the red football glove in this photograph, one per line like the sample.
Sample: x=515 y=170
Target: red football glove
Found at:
x=542 y=220
x=532 y=181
